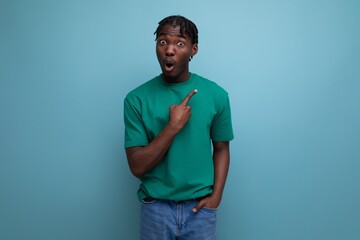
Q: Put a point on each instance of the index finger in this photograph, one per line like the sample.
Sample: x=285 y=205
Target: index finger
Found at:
x=188 y=97
x=198 y=206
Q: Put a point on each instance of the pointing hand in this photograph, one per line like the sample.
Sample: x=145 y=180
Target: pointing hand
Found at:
x=180 y=113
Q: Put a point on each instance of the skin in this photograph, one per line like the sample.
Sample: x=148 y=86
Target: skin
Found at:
x=176 y=48
x=173 y=51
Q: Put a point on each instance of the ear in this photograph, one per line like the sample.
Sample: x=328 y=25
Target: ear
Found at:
x=194 y=49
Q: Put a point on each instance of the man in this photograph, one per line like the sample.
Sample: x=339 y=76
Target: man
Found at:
x=177 y=133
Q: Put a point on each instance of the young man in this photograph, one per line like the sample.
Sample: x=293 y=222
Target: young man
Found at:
x=177 y=133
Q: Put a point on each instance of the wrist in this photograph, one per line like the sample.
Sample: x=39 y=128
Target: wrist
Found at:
x=217 y=194
x=172 y=129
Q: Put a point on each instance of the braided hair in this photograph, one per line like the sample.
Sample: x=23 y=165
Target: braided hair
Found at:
x=186 y=26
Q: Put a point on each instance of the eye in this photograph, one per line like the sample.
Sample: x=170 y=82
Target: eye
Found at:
x=181 y=44
x=162 y=42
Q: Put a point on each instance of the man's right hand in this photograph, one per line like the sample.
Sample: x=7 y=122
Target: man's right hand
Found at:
x=144 y=158
x=180 y=113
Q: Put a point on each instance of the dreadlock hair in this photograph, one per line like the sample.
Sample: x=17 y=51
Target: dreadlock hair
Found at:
x=186 y=26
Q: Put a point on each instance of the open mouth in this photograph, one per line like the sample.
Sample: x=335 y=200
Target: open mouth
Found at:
x=169 y=65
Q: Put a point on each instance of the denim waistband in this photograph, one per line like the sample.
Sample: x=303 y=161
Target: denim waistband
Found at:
x=151 y=199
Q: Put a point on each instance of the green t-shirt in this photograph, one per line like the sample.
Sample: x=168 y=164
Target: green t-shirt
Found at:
x=187 y=170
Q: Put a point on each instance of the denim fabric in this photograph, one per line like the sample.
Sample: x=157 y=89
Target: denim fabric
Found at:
x=174 y=220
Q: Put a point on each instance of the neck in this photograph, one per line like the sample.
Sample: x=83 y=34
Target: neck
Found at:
x=178 y=79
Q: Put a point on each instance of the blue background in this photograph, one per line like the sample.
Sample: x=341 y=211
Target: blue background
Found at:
x=292 y=69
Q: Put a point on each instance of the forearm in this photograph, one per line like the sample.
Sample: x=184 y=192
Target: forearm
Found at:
x=143 y=159
x=221 y=158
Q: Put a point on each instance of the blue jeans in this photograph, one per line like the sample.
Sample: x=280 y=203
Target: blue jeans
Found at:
x=174 y=220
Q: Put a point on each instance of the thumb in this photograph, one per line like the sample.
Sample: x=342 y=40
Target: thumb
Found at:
x=198 y=206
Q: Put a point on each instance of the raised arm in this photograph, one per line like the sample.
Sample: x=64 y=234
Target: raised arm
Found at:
x=143 y=159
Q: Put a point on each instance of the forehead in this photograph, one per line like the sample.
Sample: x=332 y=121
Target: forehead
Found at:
x=170 y=30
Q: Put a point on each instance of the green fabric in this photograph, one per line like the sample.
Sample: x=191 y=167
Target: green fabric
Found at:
x=186 y=172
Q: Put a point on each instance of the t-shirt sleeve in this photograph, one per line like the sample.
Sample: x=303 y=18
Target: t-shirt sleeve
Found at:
x=135 y=133
x=221 y=127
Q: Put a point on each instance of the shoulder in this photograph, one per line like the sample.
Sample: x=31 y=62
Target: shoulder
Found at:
x=144 y=89
x=210 y=85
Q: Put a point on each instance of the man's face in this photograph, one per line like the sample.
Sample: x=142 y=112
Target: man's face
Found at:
x=173 y=51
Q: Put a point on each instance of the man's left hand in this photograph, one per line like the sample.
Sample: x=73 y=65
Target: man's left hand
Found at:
x=209 y=202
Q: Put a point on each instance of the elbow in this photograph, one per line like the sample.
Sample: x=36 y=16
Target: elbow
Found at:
x=137 y=172
x=134 y=165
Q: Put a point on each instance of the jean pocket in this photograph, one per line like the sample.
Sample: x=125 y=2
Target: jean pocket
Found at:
x=148 y=200
x=209 y=209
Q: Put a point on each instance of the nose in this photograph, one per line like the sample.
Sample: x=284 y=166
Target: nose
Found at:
x=170 y=50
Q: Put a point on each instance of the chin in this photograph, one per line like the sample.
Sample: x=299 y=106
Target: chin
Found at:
x=169 y=75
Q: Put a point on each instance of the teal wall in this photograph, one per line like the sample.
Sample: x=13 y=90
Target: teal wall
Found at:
x=292 y=69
